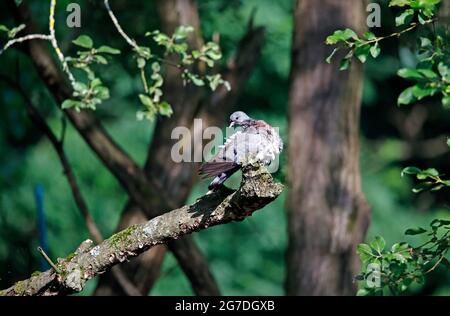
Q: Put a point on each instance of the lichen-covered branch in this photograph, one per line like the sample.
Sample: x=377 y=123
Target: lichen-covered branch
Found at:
x=81 y=203
x=256 y=191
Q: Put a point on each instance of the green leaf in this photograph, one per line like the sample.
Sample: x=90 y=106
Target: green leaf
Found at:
x=165 y=109
x=143 y=52
x=422 y=19
x=67 y=104
x=3 y=28
x=361 y=52
x=378 y=244
x=83 y=41
x=345 y=63
x=101 y=92
x=95 y=83
x=369 y=36
x=141 y=62
x=182 y=32
x=340 y=36
x=399 y=3
x=363 y=292
x=108 y=50
x=425 y=42
x=212 y=51
x=365 y=252
x=410 y=73
x=156 y=67
x=404 y=17
x=14 y=31
x=415 y=231
x=399 y=247
x=100 y=59
x=430 y=172
x=406 y=97
x=446 y=102
x=146 y=101
x=444 y=70
x=18 y=2
x=428 y=73
x=79 y=86
x=420 y=91
x=375 y=50
x=410 y=170
x=196 y=80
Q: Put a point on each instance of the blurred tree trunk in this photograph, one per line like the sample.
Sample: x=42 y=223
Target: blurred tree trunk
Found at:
x=327 y=212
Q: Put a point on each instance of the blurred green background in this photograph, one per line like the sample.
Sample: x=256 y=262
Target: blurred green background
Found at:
x=247 y=258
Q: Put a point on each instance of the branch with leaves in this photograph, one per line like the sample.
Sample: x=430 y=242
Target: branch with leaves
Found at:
x=402 y=265
x=89 y=90
x=257 y=190
x=431 y=75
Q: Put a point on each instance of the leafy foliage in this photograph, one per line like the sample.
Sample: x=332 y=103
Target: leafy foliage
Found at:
x=89 y=95
x=12 y=33
x=175 y=45
x=402 y=265
x=432 y=72
x=93 y=93
x=430 y=179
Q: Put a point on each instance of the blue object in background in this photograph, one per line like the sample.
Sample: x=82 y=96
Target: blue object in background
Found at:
x=39 y=197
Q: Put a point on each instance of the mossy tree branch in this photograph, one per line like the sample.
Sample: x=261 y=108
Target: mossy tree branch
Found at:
x=256 y=191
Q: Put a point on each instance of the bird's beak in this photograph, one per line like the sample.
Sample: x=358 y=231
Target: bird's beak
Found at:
x=231 y=124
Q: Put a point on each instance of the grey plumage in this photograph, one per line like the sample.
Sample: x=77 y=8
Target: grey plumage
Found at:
x=256 y=142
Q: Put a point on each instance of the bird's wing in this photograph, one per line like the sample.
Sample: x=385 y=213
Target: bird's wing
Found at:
x=236 y=149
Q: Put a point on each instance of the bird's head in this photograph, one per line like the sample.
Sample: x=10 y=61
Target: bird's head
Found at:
x=240 y=118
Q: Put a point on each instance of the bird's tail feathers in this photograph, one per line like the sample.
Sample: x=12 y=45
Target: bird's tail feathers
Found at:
x=216 y=168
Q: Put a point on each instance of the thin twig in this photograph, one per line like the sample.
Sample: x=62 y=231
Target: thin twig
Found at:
x=23 y=39
x=144 y=80
x=130 y=41
x=398 y=34
x=51 y=37
x=62 y=59
x=47 y=258
x=436 y=264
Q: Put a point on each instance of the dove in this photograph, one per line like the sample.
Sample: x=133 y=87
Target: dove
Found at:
x=255 y=142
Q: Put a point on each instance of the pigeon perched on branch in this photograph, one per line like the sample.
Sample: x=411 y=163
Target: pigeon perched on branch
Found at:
x=257 y=142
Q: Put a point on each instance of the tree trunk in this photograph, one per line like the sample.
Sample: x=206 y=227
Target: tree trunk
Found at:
x=327 y=212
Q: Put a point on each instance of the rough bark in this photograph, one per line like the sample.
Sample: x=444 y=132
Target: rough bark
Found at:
x=256 y=191
x=327 y=212
x=177 y=179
